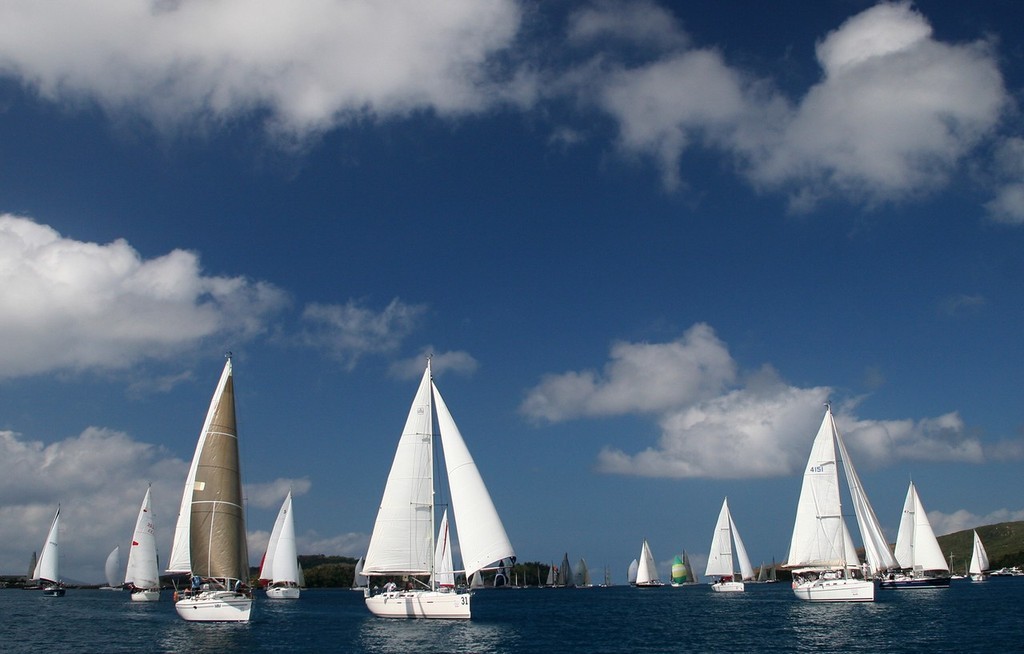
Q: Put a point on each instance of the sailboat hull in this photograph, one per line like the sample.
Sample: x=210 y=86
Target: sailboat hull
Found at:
x=215 y=606
x=835 y=590
x=53 y=591
x=420 y=604
x=283 y=592
x=146 y=595
x=909 y=583
x=728 y=587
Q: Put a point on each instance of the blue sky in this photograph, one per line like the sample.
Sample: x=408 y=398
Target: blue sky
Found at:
x=645 y=242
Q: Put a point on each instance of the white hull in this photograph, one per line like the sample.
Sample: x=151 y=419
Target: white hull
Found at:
x=283 y=592
x=215 y=606
x=979 y=577
x=420 y=604
x=728 y=587
x=148 y=595
x=835 y=590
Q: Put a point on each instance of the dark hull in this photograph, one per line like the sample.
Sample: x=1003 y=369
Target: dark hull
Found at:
x=906 y=584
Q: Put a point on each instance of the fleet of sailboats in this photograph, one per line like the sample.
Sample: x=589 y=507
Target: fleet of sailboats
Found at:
x=209 y=536
x=721 y=559
x=280 y=568
x=142 y=576
x=403 y=538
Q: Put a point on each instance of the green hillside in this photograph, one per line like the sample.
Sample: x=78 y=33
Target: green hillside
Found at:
x=1004 y=543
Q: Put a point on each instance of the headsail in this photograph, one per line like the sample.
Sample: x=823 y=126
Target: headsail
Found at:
x=143 y=570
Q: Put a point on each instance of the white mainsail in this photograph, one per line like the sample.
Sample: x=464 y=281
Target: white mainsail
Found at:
x=281 y=563
x=143 y=570
x=979 y=558
x=916 y=546
x=112 y=566
x=48 y=563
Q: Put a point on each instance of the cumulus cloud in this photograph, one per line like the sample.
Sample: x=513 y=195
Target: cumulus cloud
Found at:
x=717 y=422
x=350 y=331
x=270 y=495
x=67 y=304
x=306 y=66
x=948 y=523
x=1008 y=205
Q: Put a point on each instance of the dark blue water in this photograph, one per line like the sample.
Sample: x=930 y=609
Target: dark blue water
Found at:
x=968 y=617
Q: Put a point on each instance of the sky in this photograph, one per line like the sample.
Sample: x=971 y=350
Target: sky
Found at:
x=644 y=242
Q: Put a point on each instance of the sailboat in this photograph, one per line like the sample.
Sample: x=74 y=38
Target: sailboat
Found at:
x=444 y=565
x=359 y=581
x=582 y=576
x=647 y=572
x=565 y=576
x=31 y=574
x=280 y=569
x=720 y=556
x=917 y=550
x=209 y=536
x=143 y=573
x=48 y=564
x=552 y=576
x=979 y=561
x=632 y=571
x=821 y=554
x=111 y=569
x=402 y=542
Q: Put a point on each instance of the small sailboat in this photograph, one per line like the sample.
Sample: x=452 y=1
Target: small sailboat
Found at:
x=209 y=536
x=142 y=575
x=917 y=550
x=29 y=585
x=979 y=560
x=821 y=554
x=565 y=576
x=647 y=571
x=552 y=576
x=721 y=559
x=112 y=569
x=582 y=576
x=280 y=569
x=632 y=571
x=358 y=578
x=444 y=565
x=48 y=564
x=402 y=542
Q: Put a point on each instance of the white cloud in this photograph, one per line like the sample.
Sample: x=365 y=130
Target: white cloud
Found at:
x=641 y=22
x=948 y=523
x=67 y=304
x=308 y=65
x=271 y=494
x=350 y=331
x=1008 y=205
x=458 y=362
x=717 y=423
x=640 y=378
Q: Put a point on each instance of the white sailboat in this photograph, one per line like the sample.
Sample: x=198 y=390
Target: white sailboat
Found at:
x=632 y=571
x=917 y=550
x=402 y=542
x=444 y=566
x=647 y=571
x=209 y=537
x=979 y=561
x=112 y=569
x=142 y=575
x=721 y=561
x=565 y=577
x=280 y=569
x=359 y=581
x=582 y=576
x=47 y=570
x=821 y=552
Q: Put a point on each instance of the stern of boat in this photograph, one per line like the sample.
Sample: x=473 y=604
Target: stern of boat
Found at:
x=419 y=604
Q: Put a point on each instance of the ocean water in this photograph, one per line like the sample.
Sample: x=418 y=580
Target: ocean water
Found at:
x=967 y=617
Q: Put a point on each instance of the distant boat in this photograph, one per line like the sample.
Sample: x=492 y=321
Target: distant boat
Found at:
x=647 y=571
x=209 y=537
x=821 y=553
x=112 y=569
x=917 y=550
x=47 y=569
x=444 y=567
x=359 y=580
x=721 y=561
x=142 y=575
x=979 y=560
x=565 y=576
x=552 y=576
x=582 y=576
x=402 y=542
x=31 y=574
x=631 y=572
x=280 y=569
